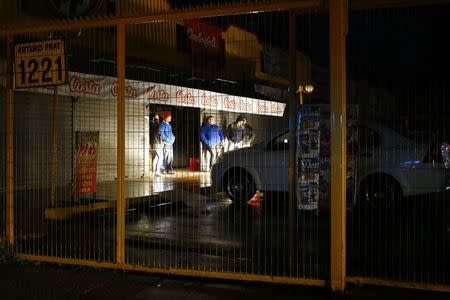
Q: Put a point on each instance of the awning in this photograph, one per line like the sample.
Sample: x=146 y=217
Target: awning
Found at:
x=103 y=87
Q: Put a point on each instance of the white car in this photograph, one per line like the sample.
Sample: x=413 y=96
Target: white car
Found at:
x=389 y=166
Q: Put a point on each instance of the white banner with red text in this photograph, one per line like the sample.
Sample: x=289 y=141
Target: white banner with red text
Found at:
x=103 y=87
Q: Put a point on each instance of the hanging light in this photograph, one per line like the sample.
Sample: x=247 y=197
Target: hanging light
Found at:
x=309 y=88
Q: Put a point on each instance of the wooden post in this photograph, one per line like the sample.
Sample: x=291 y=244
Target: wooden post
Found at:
x=9 y=141
x=120 y=239
x=338 y=30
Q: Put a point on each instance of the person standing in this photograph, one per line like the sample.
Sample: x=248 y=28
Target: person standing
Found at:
x=212 y=138
x=236 y=133
x=156 y=145
x=167 y=139
x=249 y=136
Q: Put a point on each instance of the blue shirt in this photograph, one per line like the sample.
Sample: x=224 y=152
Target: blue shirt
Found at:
x=167 y=136
x=211 y=135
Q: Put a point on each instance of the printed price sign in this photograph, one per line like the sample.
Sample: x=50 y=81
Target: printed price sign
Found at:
x=40 y=64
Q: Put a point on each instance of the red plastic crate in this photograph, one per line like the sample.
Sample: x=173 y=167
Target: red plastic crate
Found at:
x=194 y=164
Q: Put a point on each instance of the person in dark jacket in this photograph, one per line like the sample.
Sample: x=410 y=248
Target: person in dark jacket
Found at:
x=249 y=135
x=212 y=138
x=167 y=139
x=236 y=133
x=156 y=145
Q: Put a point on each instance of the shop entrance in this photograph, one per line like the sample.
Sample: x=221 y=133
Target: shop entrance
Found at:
x=186 y=128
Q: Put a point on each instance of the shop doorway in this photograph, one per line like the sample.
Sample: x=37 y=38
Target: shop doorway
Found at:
x=186 y=128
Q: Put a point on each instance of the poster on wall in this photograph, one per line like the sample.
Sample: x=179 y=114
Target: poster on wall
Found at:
x=308 y=158
x=85 y=181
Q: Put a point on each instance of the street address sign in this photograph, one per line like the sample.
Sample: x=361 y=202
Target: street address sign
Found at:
x=40 y=64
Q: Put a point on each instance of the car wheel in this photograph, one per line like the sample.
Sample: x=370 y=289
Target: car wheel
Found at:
x=379 y=193
x=239 y=186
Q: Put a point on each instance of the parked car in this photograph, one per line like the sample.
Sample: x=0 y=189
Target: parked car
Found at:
x=389 y=166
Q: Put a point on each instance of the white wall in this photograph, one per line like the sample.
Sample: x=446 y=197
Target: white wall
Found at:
x=101 y=115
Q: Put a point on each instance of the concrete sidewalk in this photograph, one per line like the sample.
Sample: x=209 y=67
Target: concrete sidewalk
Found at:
x=44 y=281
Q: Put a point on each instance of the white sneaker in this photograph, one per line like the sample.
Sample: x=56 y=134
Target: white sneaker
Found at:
x=157 y=174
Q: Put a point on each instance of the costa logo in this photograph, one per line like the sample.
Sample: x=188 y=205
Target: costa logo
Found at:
x=229 y=103
x=185 y=97
x=210 y=101
x=262 y=107
x=130 y=91
x=245 y=105
x=156 y=95
x=276 y=109
x=80 y=86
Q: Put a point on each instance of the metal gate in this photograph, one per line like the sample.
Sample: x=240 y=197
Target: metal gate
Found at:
x=180 y=136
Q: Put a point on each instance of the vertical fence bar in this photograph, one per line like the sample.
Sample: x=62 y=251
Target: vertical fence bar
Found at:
x=292 y=113
x=9 y=142
x=120 y=251
x=338 y=30
x=54 y=151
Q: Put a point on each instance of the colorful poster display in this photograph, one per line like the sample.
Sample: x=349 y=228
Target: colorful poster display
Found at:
x=308 y=158
x=313 y=155
x=86 y=162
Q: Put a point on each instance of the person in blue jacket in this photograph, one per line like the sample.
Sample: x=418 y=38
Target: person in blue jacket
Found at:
x=212 y=138
x=167 y=139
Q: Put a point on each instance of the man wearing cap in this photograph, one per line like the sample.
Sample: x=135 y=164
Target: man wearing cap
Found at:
x=236 y=133
x=212 y=139
x=168 y=139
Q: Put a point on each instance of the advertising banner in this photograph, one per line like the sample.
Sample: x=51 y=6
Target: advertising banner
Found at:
x=313 y=155
x=86 y=162
x=205 y=44
x=102 y=87
x=308 y=158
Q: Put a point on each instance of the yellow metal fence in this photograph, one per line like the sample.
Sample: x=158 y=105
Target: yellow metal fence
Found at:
x=123 y=215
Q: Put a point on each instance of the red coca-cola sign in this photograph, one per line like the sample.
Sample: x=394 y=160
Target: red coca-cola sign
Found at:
x=83 y=86
x=157 y=95
x=130 y=91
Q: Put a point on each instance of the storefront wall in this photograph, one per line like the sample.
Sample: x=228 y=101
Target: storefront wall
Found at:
x=33 y=137
x=33 y=140
x=101 y=115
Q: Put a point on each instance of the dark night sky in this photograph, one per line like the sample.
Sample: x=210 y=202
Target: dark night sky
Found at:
x=408 y=43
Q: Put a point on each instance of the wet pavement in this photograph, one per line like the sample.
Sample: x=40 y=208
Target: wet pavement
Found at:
x=218 y=235
x=190 y=226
